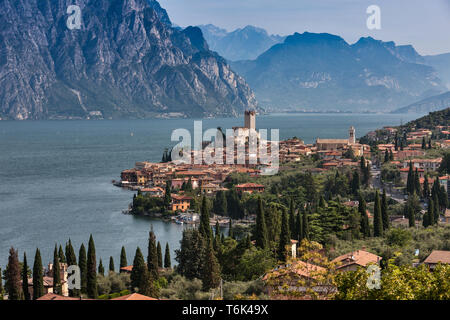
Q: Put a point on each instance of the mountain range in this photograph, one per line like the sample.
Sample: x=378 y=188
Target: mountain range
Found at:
x=431 y=104
x=318 y=72
x=126 y=61
x=241 y=44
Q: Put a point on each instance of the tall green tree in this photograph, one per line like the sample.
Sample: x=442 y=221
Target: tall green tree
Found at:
x=292 y=218
x=101 y=268
x=211 y=269
x=56 y=271
x=91 y=270
x=410 y=184
x=355 y=186
x=111 y=264
x=220 y=203
x=82 y=263
x=167 y=194
x=25 y=290
x=152 y=257
x=38 y=276
x=384 y=211
x=436 y=209
x=190 y=255
x=299 y=226
x=12 y=276
x=71 y=258
x=261 y=229
x=159 y=251
x=61 y=255
x=140 y=276
x=123 y=259
x=167 y=262
x=426 y=188
x=305 y=217
x=2 y=291
x=362 y=209
x=377 y=218
x=284 y=237
x=205 y=228
x=411 y=216
x=428 y=217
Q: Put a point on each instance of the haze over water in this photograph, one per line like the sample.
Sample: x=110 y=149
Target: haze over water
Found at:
x=55 y=177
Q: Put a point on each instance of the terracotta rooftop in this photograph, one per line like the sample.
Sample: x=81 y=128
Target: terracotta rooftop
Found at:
x=53 y=296
x=359 y=257
x=134 y=296
x=437 y=256
x=249 y=185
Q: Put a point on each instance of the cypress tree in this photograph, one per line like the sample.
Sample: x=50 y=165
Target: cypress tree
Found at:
x=211 y=269
x=284 y=237
x=12 y=276
x=152 y=257
x=38 y=276
x=436 y=209
x=82 y=263
x=292 y=219
x=377 y=218
x=417 y=183
x=230 y=229
x=140 y=277
x=396 y=142
x=111 y=264
x=362 y=209
x=123 y=258
x=355 y=183
x=56 y=270
x=424 y=145
x=71 y=258
x=428 y=217
x=167 y=262
x=61 y=255
x=25 y=290
x=205 y=228
x=261 y=231
x=411 y=216
x=167 y=195
x=384 y=211
x=101 y=269
x=305 y=224
x=160 y=259
x=91 y=270
x=386 y=156
x=299 y=226
x=410 y=180
x=426 y=188
x=429 y=144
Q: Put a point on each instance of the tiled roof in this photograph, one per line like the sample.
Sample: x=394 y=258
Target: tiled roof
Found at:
x=134 y=296
x=359 y=257
x=53 y=296
x=438 y=256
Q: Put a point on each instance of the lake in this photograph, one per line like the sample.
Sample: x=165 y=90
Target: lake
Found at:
x=55 y=177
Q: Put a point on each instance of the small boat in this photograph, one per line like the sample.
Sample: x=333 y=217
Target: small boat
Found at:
x=179 y=222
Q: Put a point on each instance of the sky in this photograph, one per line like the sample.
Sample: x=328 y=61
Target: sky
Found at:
x=423 y=23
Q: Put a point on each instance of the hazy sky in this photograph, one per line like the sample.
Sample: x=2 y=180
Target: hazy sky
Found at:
x=422 y=23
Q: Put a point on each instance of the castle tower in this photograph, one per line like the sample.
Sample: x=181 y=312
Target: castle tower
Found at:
x=352 y=135
x=250 y=119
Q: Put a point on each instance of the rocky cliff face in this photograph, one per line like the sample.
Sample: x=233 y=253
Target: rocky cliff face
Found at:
x=125 y=61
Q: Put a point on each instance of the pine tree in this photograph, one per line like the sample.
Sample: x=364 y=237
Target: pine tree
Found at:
x=61 y=255
x=101 y=269
x=167 y=262
x=111 y=264
x=211 y=269
x=123 y=259
x=38 y=276
x=82 y=263
x=205 y=228
x=190 y=255
x=362 y=209
x=159 y=251
x=12 y=276
x=25 y=290
x=384 y=211
x=56 y=270
x=91 y=270
x=152 y=257
x=284 y=237
x=261 y=231
x=377 y=218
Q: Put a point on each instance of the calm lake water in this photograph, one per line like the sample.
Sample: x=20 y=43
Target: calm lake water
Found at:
x=55 y=177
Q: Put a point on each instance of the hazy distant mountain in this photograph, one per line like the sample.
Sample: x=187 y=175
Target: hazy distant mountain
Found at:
x=441 y=63
x=312 y=71
x=241 y=44
x=126 y=61
x=435 y=103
